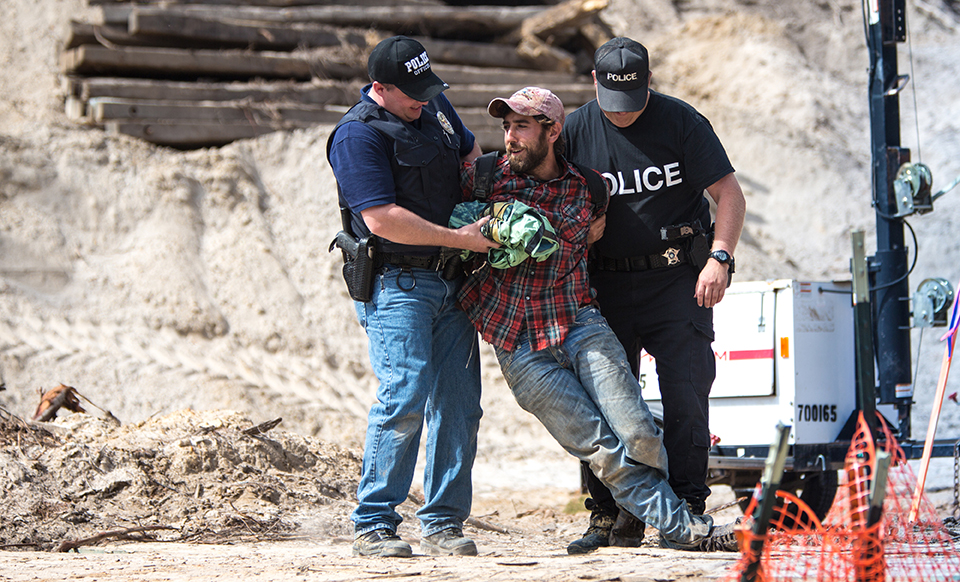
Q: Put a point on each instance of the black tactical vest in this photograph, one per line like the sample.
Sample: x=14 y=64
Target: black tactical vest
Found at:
x=425 y=164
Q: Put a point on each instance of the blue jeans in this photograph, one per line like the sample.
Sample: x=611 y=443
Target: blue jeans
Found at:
x=586 y=396
x=425 y=354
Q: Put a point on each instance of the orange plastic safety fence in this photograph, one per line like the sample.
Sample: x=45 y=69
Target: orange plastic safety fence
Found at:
x=847 y=545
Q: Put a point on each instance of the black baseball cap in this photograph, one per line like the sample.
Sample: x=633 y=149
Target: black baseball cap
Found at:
x=402 y=61
x=623 y=69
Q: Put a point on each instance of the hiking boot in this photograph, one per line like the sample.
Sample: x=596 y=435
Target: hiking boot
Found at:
x=383 y=543
x=627 y=532
x=596 y=536
x=448 y=542
x=722 y=538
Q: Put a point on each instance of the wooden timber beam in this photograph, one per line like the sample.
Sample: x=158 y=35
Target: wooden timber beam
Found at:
x=81 y=33
x=270 y=3
x=187 y=135
x=444 y=21
x=455 y=75
x=103 y=109
x=572 y=95
x=180 y=63
x=275 y=36
x=569 y=14
x=316 y=92
x=475 y=54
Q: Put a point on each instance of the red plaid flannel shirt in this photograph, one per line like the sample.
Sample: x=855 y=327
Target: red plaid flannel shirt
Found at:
x=541 y=298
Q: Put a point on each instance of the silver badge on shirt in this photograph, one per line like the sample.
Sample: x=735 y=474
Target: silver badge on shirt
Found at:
x=444 y=123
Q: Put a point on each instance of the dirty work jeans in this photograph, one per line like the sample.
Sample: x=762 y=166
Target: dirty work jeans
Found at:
x=425 y=354
x=586 y=396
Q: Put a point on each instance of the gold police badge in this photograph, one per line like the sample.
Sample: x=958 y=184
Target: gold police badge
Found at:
x=672 y=255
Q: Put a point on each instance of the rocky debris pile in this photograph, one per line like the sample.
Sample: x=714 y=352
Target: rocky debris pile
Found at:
x=189 y=476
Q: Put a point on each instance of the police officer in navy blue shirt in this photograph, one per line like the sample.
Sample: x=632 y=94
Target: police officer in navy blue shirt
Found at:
x=396 y=155
x=659 y=156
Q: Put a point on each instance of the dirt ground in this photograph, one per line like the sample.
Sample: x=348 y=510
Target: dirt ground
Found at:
x=189 y=297
x=193 y=496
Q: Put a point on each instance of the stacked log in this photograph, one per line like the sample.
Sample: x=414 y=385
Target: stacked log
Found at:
x=201 y=73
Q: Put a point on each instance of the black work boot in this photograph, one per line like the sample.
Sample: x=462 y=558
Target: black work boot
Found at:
x=627 y=532
x=448 y=542
x=383 y=543
x=596 y=536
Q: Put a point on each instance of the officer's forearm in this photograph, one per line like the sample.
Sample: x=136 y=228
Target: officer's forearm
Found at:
x=397 y=224
x=731 y=209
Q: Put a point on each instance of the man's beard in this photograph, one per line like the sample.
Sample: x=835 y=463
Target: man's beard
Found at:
x=529 y=158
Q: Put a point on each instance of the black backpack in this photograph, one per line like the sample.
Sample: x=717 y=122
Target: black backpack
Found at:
x=483 y=179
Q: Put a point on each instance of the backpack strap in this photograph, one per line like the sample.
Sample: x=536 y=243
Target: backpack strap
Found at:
x=596 y=184
x=483 y=176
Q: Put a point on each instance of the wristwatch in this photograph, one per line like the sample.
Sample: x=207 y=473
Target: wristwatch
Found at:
x=723 y=256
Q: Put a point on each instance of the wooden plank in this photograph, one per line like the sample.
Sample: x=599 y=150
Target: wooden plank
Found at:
x=316 y=92
x=187 y=135
x=457 y=75
x=81 y=33
x=272 y=3
x=569 y=14
x=190 y=135
x=547 y=57
x=468 y=22
x=102 y=109
x=239 y=33
x=485 y=128
x=179 y=63
x=596 y=33
x=71 y=86
x=74 y=108
x=572 y=95
x=476 y=54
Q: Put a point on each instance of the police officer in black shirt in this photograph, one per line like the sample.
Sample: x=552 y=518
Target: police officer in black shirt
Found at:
x=654 y=286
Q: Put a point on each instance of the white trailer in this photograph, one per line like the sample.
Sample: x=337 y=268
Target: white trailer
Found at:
x=785 y=353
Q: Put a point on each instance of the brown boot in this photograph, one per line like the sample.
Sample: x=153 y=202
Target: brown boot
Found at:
x=627 y=532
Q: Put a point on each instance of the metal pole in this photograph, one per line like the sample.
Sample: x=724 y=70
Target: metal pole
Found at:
x=863 y=328
x=766 y=499
x=886 y=20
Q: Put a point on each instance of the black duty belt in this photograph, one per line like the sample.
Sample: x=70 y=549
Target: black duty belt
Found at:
x=431 y=262
x=668 y=258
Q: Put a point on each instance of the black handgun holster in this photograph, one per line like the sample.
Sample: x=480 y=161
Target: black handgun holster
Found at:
x=361 y=259
x=360 y=271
